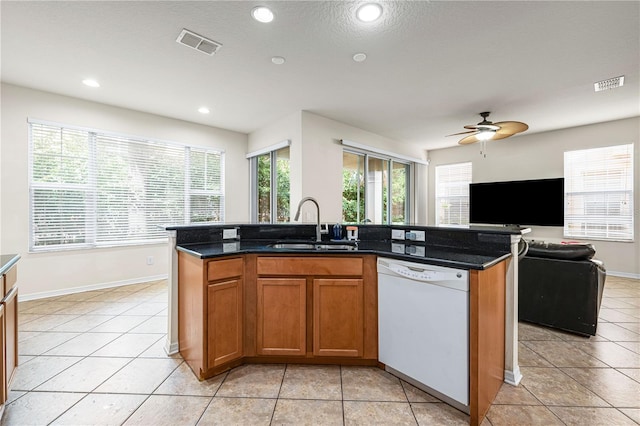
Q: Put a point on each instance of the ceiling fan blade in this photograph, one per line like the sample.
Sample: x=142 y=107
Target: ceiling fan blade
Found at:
x=497 y=135
x=511 y=127
x=463 y=133
x=469 y=139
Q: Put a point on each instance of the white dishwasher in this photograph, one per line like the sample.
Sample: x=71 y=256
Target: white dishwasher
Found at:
x=423 y=327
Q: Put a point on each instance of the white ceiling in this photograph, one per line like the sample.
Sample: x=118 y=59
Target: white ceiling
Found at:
x=431 y=66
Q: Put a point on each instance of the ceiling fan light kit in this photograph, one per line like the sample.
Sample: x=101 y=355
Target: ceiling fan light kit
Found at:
x=485 y=135
x=488 y=130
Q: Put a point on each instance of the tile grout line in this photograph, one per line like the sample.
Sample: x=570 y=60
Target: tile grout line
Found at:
x=344 y=419
x=275 y=406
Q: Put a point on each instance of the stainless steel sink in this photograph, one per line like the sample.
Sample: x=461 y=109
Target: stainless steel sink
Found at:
x=312 y=246
x=335 y=246
x=294 y=246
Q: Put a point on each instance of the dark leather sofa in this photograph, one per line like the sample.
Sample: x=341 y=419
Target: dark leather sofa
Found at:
x=560 y=286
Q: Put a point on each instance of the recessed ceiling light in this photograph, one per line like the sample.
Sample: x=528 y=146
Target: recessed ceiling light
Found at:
x=91 y=83
x=203 y=110
x=369 y=12
x=278 y=60
x=359 y=57
x=262 y=14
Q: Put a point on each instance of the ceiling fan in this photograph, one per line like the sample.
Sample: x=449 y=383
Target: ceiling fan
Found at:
x=486 y=130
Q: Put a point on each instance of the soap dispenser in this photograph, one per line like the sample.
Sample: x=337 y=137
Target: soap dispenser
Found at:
x=337 y=231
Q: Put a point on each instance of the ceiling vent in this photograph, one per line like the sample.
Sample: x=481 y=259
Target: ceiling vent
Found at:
x=195 y=41
x=610 y=83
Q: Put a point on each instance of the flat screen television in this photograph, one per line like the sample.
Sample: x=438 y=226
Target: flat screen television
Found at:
x=537 y=202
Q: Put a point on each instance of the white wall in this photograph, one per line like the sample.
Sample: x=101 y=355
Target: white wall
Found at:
x=52 y=273
x=541 y=155
x=322 y=159
x=287 y=128
x=316 y=158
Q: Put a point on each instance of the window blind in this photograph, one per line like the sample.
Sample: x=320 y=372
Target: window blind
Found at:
x=91 y=188
x=599 y=193
x=206 y=177
x=452 y=194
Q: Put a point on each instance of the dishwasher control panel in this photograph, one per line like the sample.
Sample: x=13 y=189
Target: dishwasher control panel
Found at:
x=447 y=277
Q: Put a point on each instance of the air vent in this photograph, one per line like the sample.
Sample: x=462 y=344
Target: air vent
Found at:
x=195 y=41
x=611 y=83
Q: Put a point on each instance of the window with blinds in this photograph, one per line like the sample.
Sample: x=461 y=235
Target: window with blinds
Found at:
x=90 y=188
x=599 y=193
x=452 y=194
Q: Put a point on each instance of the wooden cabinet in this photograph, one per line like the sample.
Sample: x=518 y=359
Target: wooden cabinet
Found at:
x=486 y=338
x=282 y=316
x=3 y=388
x=276 y=308
x=8 y=331
x=210 y=312
x=224 y=316
x=10 y=304
x=316 y=306
x=338 y=317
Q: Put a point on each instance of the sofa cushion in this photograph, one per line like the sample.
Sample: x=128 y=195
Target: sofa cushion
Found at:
x=561 y=251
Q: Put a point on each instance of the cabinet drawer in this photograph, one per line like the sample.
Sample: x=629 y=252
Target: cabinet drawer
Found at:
x=310 y=265
x=9 y=279
x=227 y=268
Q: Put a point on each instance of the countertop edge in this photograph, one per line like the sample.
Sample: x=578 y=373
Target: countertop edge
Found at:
x=424 y=260
x=8 y=264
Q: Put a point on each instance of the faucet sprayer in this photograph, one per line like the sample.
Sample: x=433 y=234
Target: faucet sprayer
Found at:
x=297 y=216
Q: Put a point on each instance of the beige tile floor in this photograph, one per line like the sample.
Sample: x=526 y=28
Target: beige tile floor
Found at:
x=97 y=358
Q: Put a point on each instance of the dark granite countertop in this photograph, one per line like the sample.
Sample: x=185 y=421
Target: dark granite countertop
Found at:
x=7 y=261
x=408 y=251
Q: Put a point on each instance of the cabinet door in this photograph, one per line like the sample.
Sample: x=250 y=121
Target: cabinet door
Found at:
x=281 y=315
x=11 y=334
x=3 y=381
x=338 y=312
x=224 y=322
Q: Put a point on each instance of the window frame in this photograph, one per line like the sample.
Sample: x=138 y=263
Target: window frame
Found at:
x=438 y=198
x=91 y=188
x=595 y=168
x=272 y=151
x=391 y=160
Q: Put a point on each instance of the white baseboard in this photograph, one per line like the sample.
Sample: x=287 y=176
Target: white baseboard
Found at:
x=99 y=286
x=512 y=377
x=623 y=274
x=171 y=348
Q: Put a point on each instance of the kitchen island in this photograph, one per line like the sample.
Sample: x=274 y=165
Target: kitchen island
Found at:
x=251 y=298
x=8 y=324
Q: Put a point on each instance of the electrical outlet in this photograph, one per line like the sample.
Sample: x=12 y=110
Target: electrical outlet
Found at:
x=415 y=250
x=397 y=234
x=229 y=234
x=418 y=235
x=397 y=248
x=150 y=260
x=230 y=247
